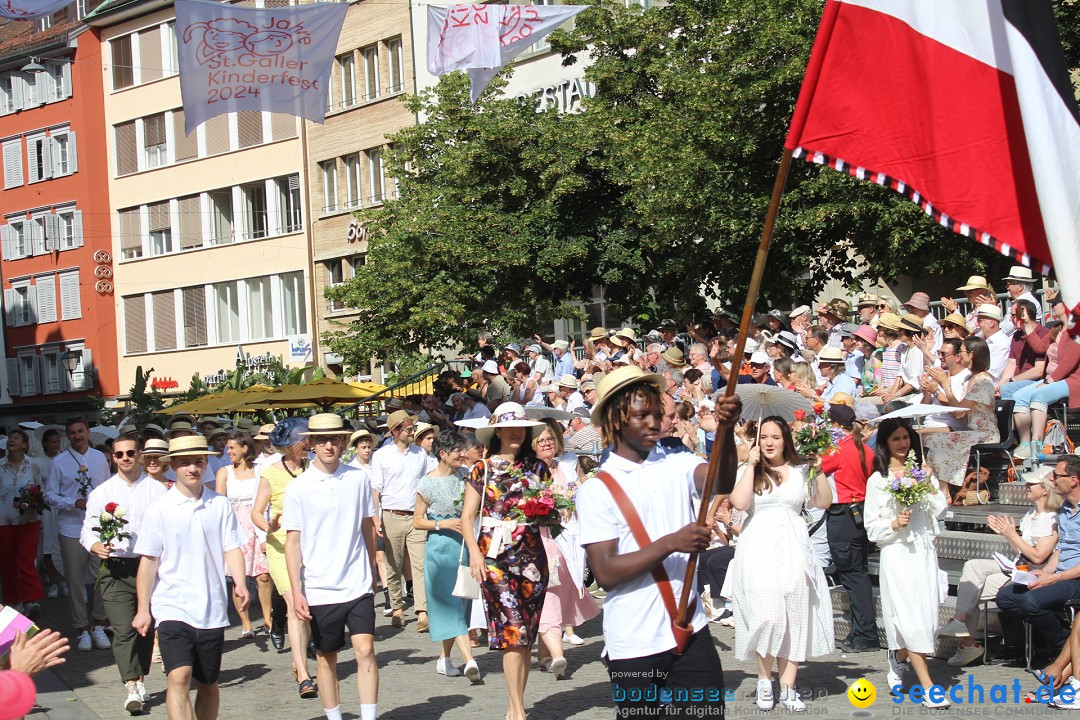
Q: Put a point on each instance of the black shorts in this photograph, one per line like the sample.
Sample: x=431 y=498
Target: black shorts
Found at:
x=328 y=622
x=380 y=543
x=184 y=646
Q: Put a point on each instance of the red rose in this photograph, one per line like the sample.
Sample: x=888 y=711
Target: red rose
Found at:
x=33 y=489
x=111 y=507
x=819 y=408
x=800 y=415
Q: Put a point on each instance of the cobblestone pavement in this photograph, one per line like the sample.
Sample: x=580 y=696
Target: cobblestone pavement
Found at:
x=256 y=683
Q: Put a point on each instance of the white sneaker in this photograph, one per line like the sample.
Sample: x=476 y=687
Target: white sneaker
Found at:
x=965 y=655
x=444 y=666
x=84 y=643
x=789 y=698
x=954 y=628
x=54 y=592
x=764 y=695
x=141 y=689
x=472 y=671
x=558 y=667
x=387 y=612
x=943 y=703
x=134 y=702
x=572 y=638
x=1059 y=702
x=101 y=640
x=895 y=676
x=1022 y=451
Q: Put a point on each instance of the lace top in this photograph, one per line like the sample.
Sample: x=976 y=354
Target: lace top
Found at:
x=443 y=495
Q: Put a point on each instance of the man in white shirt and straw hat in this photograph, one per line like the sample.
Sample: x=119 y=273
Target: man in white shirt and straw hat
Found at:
x=187 y=537
x=330 y=553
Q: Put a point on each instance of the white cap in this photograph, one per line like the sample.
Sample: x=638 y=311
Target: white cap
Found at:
x=759 y=358
x=491 y=367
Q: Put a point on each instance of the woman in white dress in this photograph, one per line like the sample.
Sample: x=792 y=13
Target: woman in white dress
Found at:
x=910 y=590
x=782 y=606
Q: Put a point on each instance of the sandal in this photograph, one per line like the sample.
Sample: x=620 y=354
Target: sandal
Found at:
x=248 y=634
x=307 y=689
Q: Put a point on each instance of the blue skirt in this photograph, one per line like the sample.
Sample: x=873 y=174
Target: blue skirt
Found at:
x=448 y=616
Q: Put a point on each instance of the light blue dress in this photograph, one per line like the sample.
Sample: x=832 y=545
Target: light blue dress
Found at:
x=448 y=616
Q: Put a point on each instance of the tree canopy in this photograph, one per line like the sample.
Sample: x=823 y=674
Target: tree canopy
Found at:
x=657 y=190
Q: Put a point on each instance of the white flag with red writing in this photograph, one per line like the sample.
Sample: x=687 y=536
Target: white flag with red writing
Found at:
x=482 y=39
x=272 y=59
x=30 y=9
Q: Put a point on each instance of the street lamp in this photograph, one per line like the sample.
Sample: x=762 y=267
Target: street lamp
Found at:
x=71 y=359
x=33 y=66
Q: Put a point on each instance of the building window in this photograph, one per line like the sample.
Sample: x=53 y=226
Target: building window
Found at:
x=295 y=309
x=221 y=216
x=13 y=166
x=352 y=181
x=329 y=182
x=50 y=370
x=123 y=70
x=70 y=301
x=22 y=311
x=227 y=312
x=395 y=59
x=127 y=151
x=131 y=245
x=375 y=175
x=371 y=72
x=39 y=158
x=68 y=226
x=161 y=236
x=335 y=275
x=292 y=217
x=347 y=74
x=357 y=262
x=260 y=308
x=249 y=128
x=255 y=215
x=28 y=374
x=7 y=95
x=45 y=287
x=155 y=146
x=164 y=304
x=134 y=324
x=195 y=316
x=64 y=154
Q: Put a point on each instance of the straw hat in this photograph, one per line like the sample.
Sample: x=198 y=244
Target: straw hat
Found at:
x=180 y=426
x=155 y=447
x=598 y=333
x=618 y=380
x=868 y=300
x=957 y=320
x=627 y=334
x=1019 y=273
x=264 y=432
x=989 y=311
x=508 y=414
x=360 y=435
x=394 y=419
x=837 y=307
x=181 y=417
x=889 y=321
x=189 y=446
x=975 y=282
x=674 y=357
x=569 y=382
x=421 y=428
x=831 y=355
x=127 y=429
x=152 y=427
x=842 y=398
x=911 y=322
x=327 y=424
x=216 y=432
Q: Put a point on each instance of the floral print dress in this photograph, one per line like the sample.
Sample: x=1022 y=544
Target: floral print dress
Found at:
x=948 y=452
x=517 y=576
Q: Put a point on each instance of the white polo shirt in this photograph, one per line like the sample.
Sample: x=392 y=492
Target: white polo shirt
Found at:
x=396 y=475
x=636 y=621
x=134 y=498
x=327 y=511
x=190 y=538
x=999 y=344
x=62 y=486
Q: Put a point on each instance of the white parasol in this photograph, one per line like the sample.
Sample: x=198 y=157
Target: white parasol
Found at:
x=761 y=401
x=537 y=412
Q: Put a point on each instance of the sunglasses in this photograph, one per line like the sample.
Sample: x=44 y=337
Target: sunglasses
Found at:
x=882 y=307
x=1062 y=475
x=124 y=453
x=758 y=366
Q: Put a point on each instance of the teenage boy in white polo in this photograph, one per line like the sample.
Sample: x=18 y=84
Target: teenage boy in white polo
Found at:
x=187 y=537
x=330 y=553
x=648 y=677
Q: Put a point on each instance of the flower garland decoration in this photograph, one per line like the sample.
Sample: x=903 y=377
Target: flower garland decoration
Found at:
x=911 y=485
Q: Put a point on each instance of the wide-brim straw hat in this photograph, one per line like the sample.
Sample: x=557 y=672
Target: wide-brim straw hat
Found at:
x=264 y=432
x=327 y=424
x=989 y=311
x=1020 y=274
x=508 y=414
x=598 y=333
x=975 y=282
x=421 y=428
x=831 y=355
x=155 y=447
x=912 y=323
x=189 y=446
x=627 y=334
x=957 y=320
x=674 y=357
x=569 y=382
x=889 y=321
x=360 y=435
x=618 y=380
x=867 y=300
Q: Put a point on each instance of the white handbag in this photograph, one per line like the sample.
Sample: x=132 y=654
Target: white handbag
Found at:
x=466 y=586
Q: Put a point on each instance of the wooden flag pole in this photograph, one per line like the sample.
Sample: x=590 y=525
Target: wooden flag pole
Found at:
x=733 y=377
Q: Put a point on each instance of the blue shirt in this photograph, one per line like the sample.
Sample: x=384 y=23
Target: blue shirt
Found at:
x=841 y=383
x=1068 y=547
x=564 y=365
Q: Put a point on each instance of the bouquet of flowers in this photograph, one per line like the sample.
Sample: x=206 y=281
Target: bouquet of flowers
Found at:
x=30 y=500
x=912 y=484
x=539 y=504
x=111 y=524
x=817 y=436
x=84 y=481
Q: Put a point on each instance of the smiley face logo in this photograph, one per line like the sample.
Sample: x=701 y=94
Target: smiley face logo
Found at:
x=861 y=693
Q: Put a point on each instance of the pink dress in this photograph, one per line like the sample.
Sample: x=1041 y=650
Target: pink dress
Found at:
x=241 y=493
x=567 y=601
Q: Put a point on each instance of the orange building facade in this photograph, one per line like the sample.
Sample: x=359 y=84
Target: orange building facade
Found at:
x=59 y=320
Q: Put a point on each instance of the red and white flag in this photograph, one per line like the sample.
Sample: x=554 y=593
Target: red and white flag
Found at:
x=966 y=107
x=482 y=39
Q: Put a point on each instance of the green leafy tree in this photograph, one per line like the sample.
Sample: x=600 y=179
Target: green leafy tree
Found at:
x=657 y=190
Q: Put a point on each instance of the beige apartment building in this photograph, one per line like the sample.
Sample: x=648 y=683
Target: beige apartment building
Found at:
x=346 y=156
x=210 y=230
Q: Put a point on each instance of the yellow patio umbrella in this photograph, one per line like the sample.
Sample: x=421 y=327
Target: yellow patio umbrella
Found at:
x=323 y=393
x=228 y=400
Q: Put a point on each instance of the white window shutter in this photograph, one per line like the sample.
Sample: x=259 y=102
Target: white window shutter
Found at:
x=9 y=307
x=13 y=173
x=30 y=94
x=32 y=160
x=46 y=159
x=52 y=232
x=37 y=238
x=65 y=84
x=84 y=378
x=70 y=303
x=34 y=387
x=78 y=236
x=32 y=299
x=14 y=386
x=46 y=298
x=73 y=155
x=18 y=91
x=7 y=242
